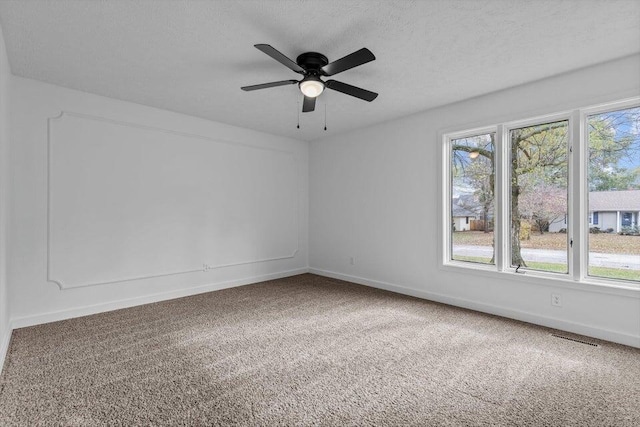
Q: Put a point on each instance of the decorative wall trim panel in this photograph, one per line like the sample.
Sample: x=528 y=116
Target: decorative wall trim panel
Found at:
x=129 y=202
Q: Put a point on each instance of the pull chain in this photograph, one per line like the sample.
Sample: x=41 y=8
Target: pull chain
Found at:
x=298 y=108
x=325 y=116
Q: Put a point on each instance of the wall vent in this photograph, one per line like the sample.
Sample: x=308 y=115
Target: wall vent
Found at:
x=575 y=340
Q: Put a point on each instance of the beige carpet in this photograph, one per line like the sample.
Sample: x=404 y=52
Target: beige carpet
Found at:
x=308 y=350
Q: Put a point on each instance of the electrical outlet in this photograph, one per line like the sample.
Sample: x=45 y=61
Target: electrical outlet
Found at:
x=352 y=261
x=556 y=300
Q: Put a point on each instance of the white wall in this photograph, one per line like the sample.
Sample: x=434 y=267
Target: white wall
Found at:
x=103 y=154
x=5 y=76
x=374 y=197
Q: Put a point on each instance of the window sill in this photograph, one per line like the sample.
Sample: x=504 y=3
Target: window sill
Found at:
x=541 y=278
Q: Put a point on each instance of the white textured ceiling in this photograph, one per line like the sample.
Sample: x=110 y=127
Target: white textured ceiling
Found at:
x=193 y=56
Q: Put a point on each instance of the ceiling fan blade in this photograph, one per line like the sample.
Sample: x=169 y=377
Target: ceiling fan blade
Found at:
x=267 y=85
x=351 y=90
x=278 y=56
x=354 y=59
x=309 y=104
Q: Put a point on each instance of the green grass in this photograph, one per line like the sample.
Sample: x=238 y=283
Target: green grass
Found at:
x=614 y=273
x=548 y=266
x=604 y=272
x=478 y=259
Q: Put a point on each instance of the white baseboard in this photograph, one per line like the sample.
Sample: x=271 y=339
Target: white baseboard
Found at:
x=4 y=345
x=550 y=322
x=22 y=322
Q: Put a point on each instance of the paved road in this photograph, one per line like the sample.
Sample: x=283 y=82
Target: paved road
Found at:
x=596 y=259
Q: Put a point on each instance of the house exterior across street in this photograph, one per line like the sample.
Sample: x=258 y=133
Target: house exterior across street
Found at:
x=609 y=210
x=462 y=218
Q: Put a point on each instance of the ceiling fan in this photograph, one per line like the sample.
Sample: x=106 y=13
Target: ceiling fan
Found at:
x=312 y=66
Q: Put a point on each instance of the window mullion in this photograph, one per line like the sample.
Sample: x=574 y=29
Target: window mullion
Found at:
x=446 y=186
x=575 y=213
x=577 y=198
x=501 y=230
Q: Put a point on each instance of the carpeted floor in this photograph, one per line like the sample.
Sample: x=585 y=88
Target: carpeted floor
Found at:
x=308 y=350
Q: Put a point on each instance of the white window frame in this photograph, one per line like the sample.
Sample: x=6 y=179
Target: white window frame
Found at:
x=584 y=162
x=577 y=218
x=506 y=166
x=447 y=178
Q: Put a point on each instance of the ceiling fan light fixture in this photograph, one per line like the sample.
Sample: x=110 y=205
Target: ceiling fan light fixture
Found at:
x=311 y=86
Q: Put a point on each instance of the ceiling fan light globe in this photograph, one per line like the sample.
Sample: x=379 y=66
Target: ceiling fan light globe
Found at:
x=311 y=88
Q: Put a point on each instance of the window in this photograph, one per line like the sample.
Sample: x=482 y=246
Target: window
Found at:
x=538 y=195
x=614 y=189
x=472 y=184
x=553 y=197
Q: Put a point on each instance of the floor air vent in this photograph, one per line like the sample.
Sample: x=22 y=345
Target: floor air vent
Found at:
x=575 y=340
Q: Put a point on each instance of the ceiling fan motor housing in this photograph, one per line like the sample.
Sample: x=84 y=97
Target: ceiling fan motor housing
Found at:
x=312 y=62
